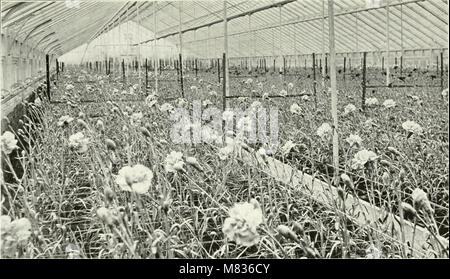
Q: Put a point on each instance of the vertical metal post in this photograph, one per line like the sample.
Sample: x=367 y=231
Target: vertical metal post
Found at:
x=196 y=67
x=363 y=102
x=401 y=65
x=181 y=75
x=218 y=69
x=146 y=75
x=388 y=70
x=442 y=71
x=333 y=83
x=57 y=69
x=155 y=49
x=224 y=87
x=314 y=78
x=323 y=45
x=225 y=57
x=47 y=69
x=123 y=70
x=180 y=34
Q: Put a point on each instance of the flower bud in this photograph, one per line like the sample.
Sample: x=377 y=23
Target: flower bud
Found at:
x=287 y=232
x=298 y=228
x=145 y=132
x=347 y=180
x=109 y=194
x=110 y=144
x=386 y=178
x=408 y=210
x=105 y=215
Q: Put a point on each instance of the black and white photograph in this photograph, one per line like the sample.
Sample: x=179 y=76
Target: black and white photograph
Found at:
x=224 y=138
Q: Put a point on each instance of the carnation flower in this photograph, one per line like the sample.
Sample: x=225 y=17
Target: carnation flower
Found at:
x=305 y=98
x=78 y=142
x=256 y=106
x=412 y=127
x=421 y=201
x=13 y=233
x=136 y=118
x=227 y=115
x=69 y=87
x=286 y=148
x=206 y=103
x=9 y=142
x=64 y=120
x=136 y=179
x=174 y=162
x=353 y=139
x=231 y=147
x=349 y=109
x=371 y=102
x=166 y=107
x=100 y=125
x=209 y=135
x=181 y=103
x=295 y=109
x=225 y=151
x=324 y=130
x=373 y=252
x=389 y=103
x=245 y=124
x=362 y=157
x=242 y=224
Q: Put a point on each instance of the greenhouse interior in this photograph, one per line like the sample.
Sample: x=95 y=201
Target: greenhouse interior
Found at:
x=224 y=129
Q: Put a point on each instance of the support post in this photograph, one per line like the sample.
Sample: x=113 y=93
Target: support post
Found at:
x=314 y=79
x=224 y=86
x=196 y=68
x=57 y=69
x=363 y=102
x=225 y=56
x=47 y=69
x=334 y=100
x=388 y=70
x=401 y=65
x=146 y=75
x=123 y=70
x=442 y=71
x=218 y=69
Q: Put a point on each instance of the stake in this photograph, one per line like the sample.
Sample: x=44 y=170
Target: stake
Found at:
x=146 y=75
x=181 y=75
x=345 y=61
x=218 y=68
x=123 y=70
x=196 y=67
x=363 y=104
x=333 y=93
x=442 y=72
x=224 y=93
x=401 y=65
x=314 y=78
x=57 y=69
x=47 y=68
